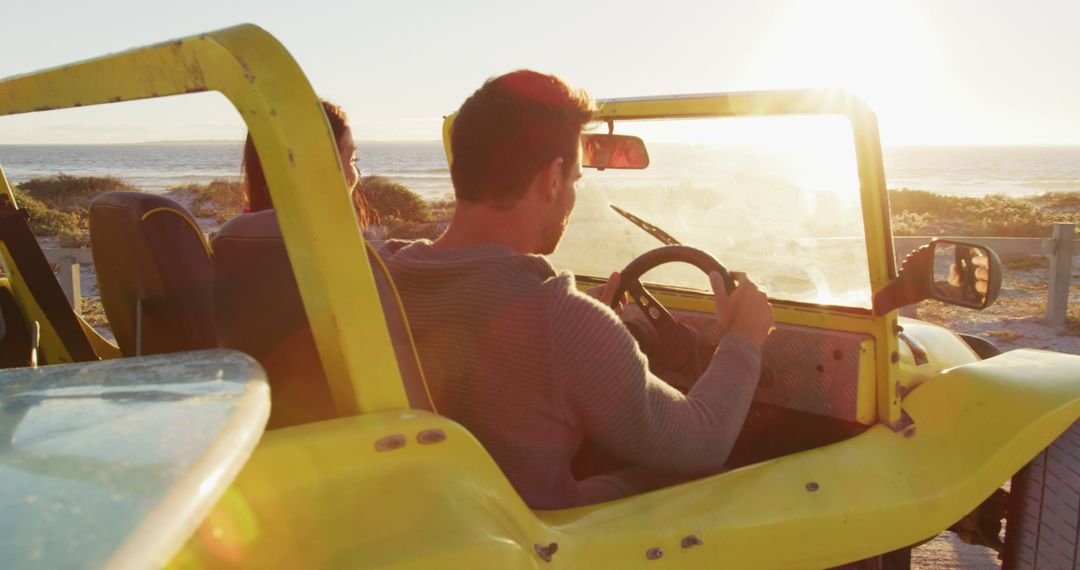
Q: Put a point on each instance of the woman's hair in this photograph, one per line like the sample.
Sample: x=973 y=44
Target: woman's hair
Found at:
x=257 y=194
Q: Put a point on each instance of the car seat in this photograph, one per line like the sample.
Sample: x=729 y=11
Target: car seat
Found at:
x=154 y=273
x=258 y=310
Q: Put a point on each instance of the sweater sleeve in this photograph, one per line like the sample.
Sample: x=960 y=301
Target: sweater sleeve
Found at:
x=607 y=392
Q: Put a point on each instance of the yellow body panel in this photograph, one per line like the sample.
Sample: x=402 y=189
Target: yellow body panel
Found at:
x=301 y=501
x=944 y=350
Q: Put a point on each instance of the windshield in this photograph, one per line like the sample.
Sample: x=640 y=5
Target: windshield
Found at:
x=775 y=197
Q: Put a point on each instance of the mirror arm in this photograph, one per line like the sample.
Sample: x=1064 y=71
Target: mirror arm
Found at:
x=910 y=286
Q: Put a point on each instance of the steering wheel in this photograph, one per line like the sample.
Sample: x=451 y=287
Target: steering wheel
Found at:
x=676 y=344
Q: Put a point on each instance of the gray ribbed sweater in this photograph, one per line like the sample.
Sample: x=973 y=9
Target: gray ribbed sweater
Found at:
x=512 y=351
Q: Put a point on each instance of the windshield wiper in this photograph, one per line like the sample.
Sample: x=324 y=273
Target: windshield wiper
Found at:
x=652 y=230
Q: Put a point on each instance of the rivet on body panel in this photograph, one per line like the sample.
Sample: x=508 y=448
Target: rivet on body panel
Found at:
x=430 y=436
x=691 y=541
x=654 y=553
x=390 y=442
x=812 y=486
x=545 y=552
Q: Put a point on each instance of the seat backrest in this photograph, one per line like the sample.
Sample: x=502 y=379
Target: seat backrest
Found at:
x=151 y=258
x=258 y=310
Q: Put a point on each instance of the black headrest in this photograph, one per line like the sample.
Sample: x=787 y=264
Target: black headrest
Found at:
x=259 y=311
x=148 y=250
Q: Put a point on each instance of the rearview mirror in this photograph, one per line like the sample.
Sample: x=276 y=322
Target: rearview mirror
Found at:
x=613 y=151
x=949 y=271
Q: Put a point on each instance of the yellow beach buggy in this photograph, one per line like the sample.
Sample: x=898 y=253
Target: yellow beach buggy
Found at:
x=869 y=432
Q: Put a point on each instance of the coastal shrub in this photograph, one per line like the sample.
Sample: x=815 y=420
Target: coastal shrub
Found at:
x=221 y=199
x=918 y=212
x=910 y=224
x=393 y=202
x=73 y=193
x=1008 y=217
x=70 y=228
x=1059 y=200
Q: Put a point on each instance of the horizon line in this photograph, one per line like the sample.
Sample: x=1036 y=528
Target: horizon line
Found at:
x=438 y=141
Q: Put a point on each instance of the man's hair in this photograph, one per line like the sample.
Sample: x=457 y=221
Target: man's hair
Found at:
x=510 y=128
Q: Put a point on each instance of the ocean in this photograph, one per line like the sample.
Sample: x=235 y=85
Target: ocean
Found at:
x=421 y=166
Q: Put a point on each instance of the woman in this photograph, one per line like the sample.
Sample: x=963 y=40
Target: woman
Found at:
x=257 y=195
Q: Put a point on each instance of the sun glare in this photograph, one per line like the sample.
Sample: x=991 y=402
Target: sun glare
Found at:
x=882 y=51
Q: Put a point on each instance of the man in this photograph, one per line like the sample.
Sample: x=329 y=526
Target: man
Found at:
x=516 y=354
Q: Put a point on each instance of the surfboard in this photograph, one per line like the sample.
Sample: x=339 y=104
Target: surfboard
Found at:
x=115 y=463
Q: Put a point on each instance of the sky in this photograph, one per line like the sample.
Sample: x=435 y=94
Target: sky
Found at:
x=936 y=72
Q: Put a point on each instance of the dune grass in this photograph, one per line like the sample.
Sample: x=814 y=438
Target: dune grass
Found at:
x=221 y=199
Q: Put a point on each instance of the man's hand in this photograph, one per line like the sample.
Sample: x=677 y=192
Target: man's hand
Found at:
x=971 y=276
x=606 y=293
x=745 y=312
x=632 y=315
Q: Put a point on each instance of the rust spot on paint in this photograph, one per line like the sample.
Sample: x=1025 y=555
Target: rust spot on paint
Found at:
x=292 y=159
x=813 y=486
x=247 y=71
x=901 y=391
x=546 y=552
x=655 y=553
x=390 y=443
x=273 y=112
x=904 y=422
x=194 y=90
x=691 y=541
x=430 y=436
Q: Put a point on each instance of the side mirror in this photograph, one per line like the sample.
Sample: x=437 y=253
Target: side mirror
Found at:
x=613 y=151
x=965 y=274
x=954 y=272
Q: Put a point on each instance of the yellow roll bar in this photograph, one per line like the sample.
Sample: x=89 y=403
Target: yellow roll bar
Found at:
x=303 y=170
